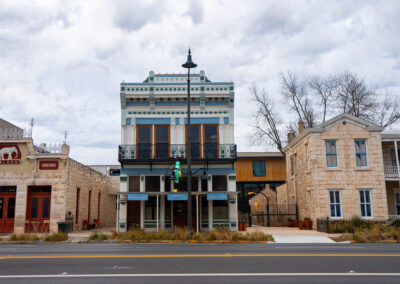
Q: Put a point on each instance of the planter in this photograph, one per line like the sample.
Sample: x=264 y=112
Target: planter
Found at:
x=240 y=227
x=307 y=224
x=295 y=223
x=301 y=225
x=244 y=227
x=289 y=223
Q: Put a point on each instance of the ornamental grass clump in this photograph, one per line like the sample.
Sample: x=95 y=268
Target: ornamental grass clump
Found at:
x=98 y=237
x=56 y=237
x=23 y=238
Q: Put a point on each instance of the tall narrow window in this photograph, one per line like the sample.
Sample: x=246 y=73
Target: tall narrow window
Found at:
x=361 y=153
x=144 y=142
x=258 y=168
x=397 y=200
x=162 y=141
x=331 y=153
x=78 y=191
x=335 y=204
x=98 y=207
x=307 y=157
x=393 y=157
x=292 y=164
x=211 y=141
x=365 y=203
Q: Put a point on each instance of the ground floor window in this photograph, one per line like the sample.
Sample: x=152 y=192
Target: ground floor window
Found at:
x=365 y=203
x=397 y=200
x=220 y=214
x=335 y=204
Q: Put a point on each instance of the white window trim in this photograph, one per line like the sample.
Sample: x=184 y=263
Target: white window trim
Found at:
x=329 y=199
x=370 y=199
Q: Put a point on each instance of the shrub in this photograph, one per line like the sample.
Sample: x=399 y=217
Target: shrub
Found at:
x=97 y=236
x=56 y=237
x=23 y=237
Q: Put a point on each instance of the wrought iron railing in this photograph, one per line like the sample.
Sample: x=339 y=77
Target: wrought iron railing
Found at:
x=165 y=151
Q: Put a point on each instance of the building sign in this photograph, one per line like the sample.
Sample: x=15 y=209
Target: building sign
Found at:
x=9 y=153
x=138 y=197
x=177 y=196
x=48 y=165
x=217 y=196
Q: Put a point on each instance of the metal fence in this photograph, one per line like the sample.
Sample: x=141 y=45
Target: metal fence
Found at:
x=274 y=215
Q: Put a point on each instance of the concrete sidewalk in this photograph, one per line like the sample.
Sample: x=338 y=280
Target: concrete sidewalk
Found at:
x=294 y=235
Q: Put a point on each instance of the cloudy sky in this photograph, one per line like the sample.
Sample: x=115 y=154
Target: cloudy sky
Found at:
x=61 y=62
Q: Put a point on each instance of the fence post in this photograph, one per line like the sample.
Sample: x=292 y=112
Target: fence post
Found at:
x=268 y=216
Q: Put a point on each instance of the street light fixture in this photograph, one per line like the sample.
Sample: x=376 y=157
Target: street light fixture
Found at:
x=189 y=64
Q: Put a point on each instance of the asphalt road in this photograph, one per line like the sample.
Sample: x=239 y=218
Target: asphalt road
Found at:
x=200 y=263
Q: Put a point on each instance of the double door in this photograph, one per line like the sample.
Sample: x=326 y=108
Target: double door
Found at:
x=209 y=150
x=145 y=149
x=7 y=212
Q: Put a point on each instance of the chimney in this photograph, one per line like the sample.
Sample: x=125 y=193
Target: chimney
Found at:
x=65 y=149
x=301 y=126
x=290 y=136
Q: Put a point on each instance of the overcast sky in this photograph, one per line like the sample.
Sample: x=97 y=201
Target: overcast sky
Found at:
x=61 y=62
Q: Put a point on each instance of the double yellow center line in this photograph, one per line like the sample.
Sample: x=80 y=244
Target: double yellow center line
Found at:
x=198 y=255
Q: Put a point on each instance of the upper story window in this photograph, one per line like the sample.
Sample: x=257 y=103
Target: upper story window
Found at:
x=365 y=203
x=361 y=153
x=292 y=164
x=331 y=153
x=258 y=168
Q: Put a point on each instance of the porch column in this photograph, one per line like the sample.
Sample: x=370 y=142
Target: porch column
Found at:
x=162 y=203
x=397 y=161
x=123 y=206
x=142 y=188
x=210 y=204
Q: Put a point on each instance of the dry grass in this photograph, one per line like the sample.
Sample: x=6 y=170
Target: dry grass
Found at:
x=98 y=237
x=23 y=238
x=57 y=237
x=181 y=234
x=372 y=234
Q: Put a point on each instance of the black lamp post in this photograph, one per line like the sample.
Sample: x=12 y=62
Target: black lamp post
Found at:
x=189 y=64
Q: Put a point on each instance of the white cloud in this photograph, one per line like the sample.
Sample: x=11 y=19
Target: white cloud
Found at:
x=62 y=62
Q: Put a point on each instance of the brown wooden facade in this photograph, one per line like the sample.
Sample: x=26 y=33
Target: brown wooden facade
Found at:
x=275 y=167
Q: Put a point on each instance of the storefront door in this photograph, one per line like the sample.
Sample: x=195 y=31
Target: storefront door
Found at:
x=7 y=209
x=38 y=210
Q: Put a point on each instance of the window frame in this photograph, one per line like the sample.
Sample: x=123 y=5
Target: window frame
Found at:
x=364 y=190
x=259 y=162
x=397 y=202
x=358 y=141
x=292 y=164
x=335 y=203
x=330 y=153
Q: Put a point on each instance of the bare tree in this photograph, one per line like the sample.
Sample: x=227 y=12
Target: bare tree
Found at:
x=267 y=120
x=296 y=94
x=324 y=89
x=354 y=97
x=389 y=111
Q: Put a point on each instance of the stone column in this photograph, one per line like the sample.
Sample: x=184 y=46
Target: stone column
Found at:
x=123 y=204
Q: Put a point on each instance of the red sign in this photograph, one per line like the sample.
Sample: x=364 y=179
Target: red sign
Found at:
x=9 y=153
x=48 y=165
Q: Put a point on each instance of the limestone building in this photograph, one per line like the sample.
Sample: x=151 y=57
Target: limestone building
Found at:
x=42 y=185
x=153 y=129
x=341 y=168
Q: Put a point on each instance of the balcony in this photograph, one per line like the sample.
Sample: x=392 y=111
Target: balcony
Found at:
x=166 y=152
x=391 y=172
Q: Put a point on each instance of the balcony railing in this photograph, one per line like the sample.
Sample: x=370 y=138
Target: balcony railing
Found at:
x=165 y=151
x=391 y=172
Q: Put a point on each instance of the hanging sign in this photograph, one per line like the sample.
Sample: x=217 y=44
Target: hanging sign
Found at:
x=9 y=154
x=177 y=196
x=217 y=196
x=138 y=197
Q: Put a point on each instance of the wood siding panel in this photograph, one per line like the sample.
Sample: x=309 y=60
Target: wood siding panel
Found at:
x=275 y=169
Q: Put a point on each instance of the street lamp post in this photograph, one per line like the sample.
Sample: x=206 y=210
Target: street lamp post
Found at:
x=189 y=64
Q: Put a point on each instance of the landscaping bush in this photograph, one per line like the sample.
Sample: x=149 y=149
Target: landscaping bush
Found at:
x=98 y=237
x=23 y=237
x=56 y=237
x=370 y=233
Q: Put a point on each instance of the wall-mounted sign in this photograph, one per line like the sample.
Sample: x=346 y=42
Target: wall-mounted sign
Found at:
x=177 y=196
x=217 y=196
x=138 y=197
x=9 y=153
x=48 y=165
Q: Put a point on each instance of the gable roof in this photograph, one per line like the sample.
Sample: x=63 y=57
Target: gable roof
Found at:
x=370 y=126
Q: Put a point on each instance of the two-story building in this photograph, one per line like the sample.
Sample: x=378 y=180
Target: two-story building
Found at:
x=336 y=170
x=153 y=138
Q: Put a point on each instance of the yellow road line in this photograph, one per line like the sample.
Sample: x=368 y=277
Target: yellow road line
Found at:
x=198 y=255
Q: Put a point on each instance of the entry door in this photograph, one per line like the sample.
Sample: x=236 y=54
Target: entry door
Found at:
x=162 y=141
x=195 y=141
x=180 y=214
x=38 y=210
x=144 y=142
x=211 y=141
x=7 y=213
